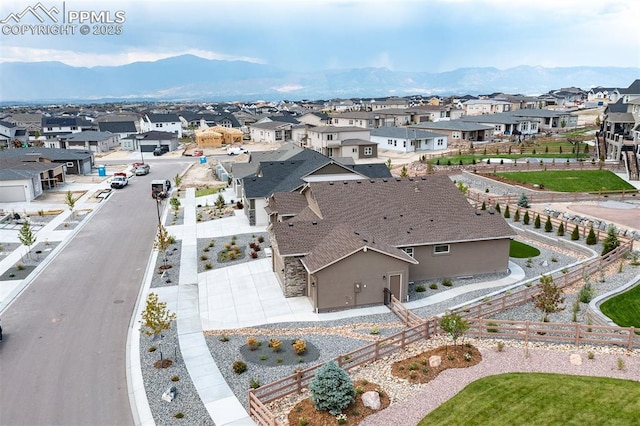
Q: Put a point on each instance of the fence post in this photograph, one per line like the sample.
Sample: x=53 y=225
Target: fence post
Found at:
x=377 y=351
x=299 y=380
x=578 y=328
x=526 y=334
x=480 y=327
x=632 y=334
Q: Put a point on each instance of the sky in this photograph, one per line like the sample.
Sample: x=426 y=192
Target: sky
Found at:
x=306 y=35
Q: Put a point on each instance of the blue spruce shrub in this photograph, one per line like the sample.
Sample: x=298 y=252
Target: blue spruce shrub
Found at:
x=331 y=389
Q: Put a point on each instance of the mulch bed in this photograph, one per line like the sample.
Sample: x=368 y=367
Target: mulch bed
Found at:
x=263 y=355
x=417 y=370
x=355 y=412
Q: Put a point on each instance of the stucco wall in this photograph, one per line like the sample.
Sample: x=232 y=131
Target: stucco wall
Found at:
x=335 y=285
x=472 y=258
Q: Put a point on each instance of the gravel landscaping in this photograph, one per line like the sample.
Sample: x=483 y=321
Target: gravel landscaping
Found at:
x=209 y=250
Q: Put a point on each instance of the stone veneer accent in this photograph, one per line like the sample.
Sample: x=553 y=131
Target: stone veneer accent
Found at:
x=295 y=277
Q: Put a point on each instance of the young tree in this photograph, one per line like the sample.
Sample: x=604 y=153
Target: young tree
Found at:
x=548 y=226
x=26 y=236
x=462 y=188
x=550 y=298
x=454 y=325
x=483 y=206
x=498 y=207
x=591 y=237
x=536 y=222
x=575 y=234
x=404 y=172
x=156 y=318
x=611 y=241
x=561 y=230
x=507 y=214
x=70 y=201
x=177 y=179
x=389 y=165
x=516 y=216
x=162 y=243
x=220 y=203
x=526 y=219
x=331 y=389
x=523 y=201
x=175 y=204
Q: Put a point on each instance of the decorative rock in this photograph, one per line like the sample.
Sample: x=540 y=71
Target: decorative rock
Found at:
x=435 y=361
x=169 y=394
x=371 y=400
x=575 y=359
x=545 y=263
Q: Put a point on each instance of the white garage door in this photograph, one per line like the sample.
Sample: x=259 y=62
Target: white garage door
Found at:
x=12 y=194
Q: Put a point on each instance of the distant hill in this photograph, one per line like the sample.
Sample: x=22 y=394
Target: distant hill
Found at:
x=190 y=77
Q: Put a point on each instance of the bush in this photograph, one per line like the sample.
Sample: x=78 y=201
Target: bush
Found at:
x=175 y=378
x=525 y=218
x=548 y=226
x=507 y=214
x=586 y=293
x=433 y=286
x=239 y=367
x=420 y=288
x=331 y=389
x=536 y=222
x=299 y=346
x=447 y=282
x=275 y=345
x=252 y=343
x=523 y=201
x=208 y=265
x=560 y=232
x=492 y=327
x=261 y=239
x=255 y=384
x=611 y=241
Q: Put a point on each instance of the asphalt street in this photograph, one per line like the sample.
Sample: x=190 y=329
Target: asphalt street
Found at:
x=63 y=358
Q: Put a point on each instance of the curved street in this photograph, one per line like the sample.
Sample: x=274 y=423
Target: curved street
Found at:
x=63 y=358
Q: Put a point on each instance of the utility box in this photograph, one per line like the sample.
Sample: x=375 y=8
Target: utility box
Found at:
x=102 y=170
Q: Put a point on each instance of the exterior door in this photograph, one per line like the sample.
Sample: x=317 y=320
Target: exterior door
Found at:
x=395 y=285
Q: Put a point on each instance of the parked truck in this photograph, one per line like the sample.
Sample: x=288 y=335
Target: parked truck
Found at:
x=160 y=188
x=119 y=180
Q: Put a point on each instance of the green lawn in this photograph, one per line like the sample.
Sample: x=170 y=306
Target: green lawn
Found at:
x=467 y=159
x=206 y=191
x=624 y=309
x=522 y=250
x=541 y=399
x=572 y=180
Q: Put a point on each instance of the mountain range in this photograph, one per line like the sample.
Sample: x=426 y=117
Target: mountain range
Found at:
x=189 y=77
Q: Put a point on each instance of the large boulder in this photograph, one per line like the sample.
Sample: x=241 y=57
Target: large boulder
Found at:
x=371 y=400
x=435 y=361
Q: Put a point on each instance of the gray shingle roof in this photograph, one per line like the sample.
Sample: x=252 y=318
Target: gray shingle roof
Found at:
x=90 y=135
x=404 y=132
x=53 y=154
x=117 y=126
x=397 y=212
x=452 y=125
x=163 y=118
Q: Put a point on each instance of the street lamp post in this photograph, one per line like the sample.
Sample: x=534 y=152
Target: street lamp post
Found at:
x=158 y=201
x=139 y=138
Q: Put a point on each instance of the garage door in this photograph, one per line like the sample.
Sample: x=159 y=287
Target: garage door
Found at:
x=12 y=194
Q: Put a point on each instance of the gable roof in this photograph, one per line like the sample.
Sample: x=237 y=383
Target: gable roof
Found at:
x=117 y=126
x=397 y=212
x=154 y=135
x=452 y=125
x=89 y=136
x=53 y=154
x=633 y=89
x=163 y=118
x=405 y=132
x=287 y=175
x=16 y=169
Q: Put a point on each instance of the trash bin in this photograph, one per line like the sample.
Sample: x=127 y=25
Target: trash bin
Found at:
x=102 y=170
x=203 y=159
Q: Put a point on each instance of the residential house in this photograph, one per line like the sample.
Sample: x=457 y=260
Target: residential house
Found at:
x=404 y=139
x=120 y=128
x=459 y=133
x=361 y=119
x=162 y=123
x=343 y=242
x=74 y=161
x=315 y=119
x=619 y=137
x=485 y=106
x=386 y=103
x=12 y=136
x=91 y=140
x=292 y=173
x=56 y=127
x=328 y=140
x=24 y=180
x=148 y=141
x=271 y=132
x=32 y=122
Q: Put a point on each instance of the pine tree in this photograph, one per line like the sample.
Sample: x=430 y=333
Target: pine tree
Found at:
x=561 y=230
x=498 y=207
x=548 y=226
x=26 y=236
x=523 y=201
x=404 y=172
x=536 y=222
x=526 y=218
x=484 y=206
x=575 y=234
x=591 y=237
x=331 y=389
x=611 y=241
x=516 y=216
x=507 y=215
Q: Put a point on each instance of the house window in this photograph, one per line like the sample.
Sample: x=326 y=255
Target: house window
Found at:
x=351 y=122
x=404 y=144
x=409 y=251
x=455 y=135
x=368 y=150
x=329 y=137
x=354 y=150
x=441 y=249
x=389 y=142
x=395 y=142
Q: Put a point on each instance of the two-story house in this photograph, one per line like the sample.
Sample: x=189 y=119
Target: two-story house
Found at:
x=332 y=140
x=55 y=127
x=162 y=123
